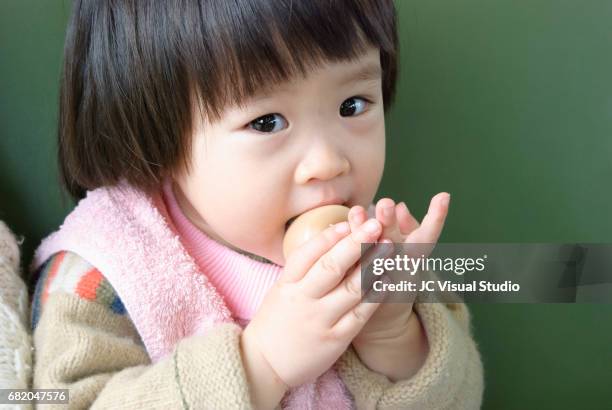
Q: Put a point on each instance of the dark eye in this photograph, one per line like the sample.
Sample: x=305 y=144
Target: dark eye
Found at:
x=269 y=123
x=353 y=106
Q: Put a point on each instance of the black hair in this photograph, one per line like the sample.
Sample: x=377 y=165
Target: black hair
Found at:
x=133 y=70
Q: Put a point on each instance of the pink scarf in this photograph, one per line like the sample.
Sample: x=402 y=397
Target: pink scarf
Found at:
x=130 y=238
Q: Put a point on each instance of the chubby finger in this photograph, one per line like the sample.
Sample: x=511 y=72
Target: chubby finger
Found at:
x=331 y=267
x=350 y=324
x=406 y=221
x=433 y=222
x=385 y=213
x=307 y=254
x=356 y=217
x=350 y=291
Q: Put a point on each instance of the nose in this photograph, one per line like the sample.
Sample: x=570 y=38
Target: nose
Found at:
x=322 y=161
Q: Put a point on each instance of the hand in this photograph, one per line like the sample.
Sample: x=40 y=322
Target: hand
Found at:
x=313 y=312
x=392 y=320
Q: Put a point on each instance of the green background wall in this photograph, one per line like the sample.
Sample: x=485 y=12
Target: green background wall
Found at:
x=505 y=104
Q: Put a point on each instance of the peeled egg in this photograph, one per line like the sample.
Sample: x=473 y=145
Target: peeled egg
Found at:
x=311 y=223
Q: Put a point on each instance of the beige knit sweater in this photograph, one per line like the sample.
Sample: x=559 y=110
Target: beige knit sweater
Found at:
x=84 y=346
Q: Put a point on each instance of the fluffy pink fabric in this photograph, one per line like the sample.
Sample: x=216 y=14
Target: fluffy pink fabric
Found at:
x=241 y=280
x=130 y=238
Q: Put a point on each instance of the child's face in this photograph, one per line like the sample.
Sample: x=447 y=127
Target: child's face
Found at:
x=312 y=140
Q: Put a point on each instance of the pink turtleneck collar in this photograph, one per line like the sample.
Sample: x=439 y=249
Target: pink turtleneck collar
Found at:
x=241 y=280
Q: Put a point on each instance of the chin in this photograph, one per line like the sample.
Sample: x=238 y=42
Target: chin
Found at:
x=277 y=259
x=267 y=248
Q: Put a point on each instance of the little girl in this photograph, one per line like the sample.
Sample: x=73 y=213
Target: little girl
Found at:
x=193 y=132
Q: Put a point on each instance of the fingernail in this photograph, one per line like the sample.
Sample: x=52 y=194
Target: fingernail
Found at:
x=342 y=227
x=403 y=205
x=387 y=211
x=446 y=200
x=371 y=226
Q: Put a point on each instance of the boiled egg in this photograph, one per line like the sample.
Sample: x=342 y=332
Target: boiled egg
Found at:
x=310 y=223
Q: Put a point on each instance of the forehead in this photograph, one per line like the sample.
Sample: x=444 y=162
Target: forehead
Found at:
x=363 y=68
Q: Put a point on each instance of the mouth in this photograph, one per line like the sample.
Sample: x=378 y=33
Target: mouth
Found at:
x=292 y=219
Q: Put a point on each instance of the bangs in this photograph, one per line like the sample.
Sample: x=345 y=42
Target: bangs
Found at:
x=238 y=48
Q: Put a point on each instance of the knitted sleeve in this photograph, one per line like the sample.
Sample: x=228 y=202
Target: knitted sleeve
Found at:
x=85 y=341
x=450 y=378
x=15 y=343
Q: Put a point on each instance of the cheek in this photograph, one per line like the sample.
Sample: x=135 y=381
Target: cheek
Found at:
x=369 y=157
x=253 y=225
x=241 y=203
x=373 y=148
x=235 y=195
